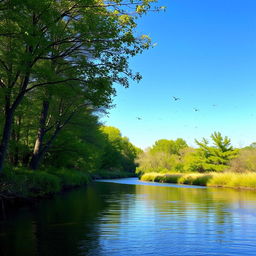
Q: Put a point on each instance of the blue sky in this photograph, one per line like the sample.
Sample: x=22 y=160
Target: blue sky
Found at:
x=205 y=55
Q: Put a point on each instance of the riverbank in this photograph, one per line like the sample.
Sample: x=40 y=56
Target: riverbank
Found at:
x=25 y=184
x=226 y=180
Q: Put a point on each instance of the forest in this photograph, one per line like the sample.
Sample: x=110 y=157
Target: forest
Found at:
x=59 y=64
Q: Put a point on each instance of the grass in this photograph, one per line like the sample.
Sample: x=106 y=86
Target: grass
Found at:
x=229 y=180
x=20 y=182
x=71 y=178
x=23 y=183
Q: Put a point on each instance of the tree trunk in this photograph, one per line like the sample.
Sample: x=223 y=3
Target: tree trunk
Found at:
x=6 y=136
x=14 y=157
x=37 y=159
x=40 y=135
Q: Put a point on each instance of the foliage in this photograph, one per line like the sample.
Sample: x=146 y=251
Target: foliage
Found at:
x=232 y=180
x=175 y=156
x=71 y=178
x=64 y=60
x=164 y=155
x=59 y=61
x=170 y=147
x=119 y=154
x=214 y=158
x=245 y=161
x=22 y=182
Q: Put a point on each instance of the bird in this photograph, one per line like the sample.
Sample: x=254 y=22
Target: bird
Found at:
x=214 y=105
x=175 y=98
x=196 y=109
x=139 y=118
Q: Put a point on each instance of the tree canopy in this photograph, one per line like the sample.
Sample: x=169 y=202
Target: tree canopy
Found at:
x=176 y=156
x=62 y=57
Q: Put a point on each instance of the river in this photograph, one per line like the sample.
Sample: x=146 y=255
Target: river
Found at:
x=128 y=217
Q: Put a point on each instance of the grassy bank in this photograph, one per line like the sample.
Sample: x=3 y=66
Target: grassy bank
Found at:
x=19 y=182
x=23 y=183
x=228 y=180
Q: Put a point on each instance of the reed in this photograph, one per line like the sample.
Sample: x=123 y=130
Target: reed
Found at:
x=232 y=180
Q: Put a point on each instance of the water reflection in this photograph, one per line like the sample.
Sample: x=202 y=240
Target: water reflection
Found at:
x=121 y=219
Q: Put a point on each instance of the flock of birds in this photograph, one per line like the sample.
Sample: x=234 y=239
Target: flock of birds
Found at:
x=177 y=99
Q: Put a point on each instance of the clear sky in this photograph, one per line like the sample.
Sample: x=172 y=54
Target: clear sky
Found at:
x=206 y=56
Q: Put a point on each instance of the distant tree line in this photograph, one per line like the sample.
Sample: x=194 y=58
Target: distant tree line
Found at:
x=176 y=156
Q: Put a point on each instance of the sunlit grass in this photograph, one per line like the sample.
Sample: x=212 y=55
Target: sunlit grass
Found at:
x=234 y=180
x=231 y=180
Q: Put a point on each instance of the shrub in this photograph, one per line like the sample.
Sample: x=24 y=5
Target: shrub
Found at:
x=245 y=162
x=71 y=178
x=22 y=182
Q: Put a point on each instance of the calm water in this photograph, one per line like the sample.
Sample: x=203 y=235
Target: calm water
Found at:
x=132 y=218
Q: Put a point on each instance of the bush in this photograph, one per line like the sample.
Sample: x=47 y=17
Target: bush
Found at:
x=25 y=183
x=71 y=178
x=22 y=182
x=245 y=162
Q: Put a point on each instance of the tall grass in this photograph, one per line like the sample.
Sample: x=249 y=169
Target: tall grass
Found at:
x=25 y=183
x=231 y=180
x=71 y=178
x=20 y=182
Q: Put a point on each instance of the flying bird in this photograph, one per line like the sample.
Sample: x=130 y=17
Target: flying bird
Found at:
x=175 y=98
x=196 y=109
x=139 y=118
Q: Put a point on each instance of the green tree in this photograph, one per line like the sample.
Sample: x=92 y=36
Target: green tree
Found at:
x=41 y=38
x=213 y=158
x=165 y=155
x=119 y=153
x=169 y=146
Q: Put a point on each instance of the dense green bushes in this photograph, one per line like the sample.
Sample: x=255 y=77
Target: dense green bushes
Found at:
x=20 y=182
x=101 y=152
x=71 y=178
x=25 y=183
x=184 y=159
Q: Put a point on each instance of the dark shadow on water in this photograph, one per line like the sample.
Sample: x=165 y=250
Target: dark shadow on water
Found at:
x=126 y=217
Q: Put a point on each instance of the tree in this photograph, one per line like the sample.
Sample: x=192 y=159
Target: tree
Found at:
x=41 y=38
x=169 y=146
x=164 y=155
x=119 y=153
x=76 y=147
x=213 y=158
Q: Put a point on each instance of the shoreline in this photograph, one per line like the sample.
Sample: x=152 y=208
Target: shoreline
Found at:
x=19 y=187
x=245 y=181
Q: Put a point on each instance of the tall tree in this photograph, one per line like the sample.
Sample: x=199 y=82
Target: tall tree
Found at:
x=94 y=37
